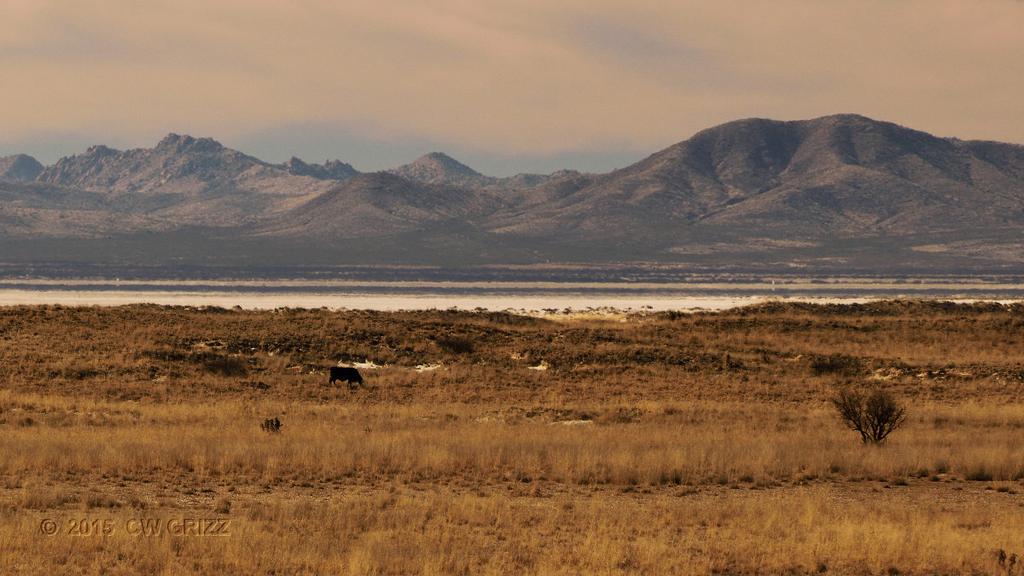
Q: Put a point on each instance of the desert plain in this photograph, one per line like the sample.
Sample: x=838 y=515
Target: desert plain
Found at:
x=133 y=440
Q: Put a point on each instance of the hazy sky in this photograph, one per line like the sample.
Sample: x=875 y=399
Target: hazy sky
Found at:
x=514 y=85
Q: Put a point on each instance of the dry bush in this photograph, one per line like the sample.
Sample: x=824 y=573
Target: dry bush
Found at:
x=874 y=415
x=837 y=364
x=455 y=344
x=221 y=364
x=223 y=506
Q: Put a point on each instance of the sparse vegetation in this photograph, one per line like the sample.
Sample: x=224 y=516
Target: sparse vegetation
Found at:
x=659 y=444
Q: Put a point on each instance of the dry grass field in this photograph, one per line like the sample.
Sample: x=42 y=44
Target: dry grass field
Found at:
x=487 y=443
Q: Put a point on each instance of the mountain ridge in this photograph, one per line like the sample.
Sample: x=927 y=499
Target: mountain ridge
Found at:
x=839 y=188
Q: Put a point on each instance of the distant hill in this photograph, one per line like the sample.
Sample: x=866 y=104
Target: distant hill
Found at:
x=379 y=204
x=19 y=168
x=838 y=192
x=840 y=175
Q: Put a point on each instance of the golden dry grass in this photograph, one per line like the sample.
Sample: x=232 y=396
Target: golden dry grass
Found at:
x=683 y=444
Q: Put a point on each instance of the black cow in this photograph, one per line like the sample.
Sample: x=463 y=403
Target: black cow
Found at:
x=349 y=375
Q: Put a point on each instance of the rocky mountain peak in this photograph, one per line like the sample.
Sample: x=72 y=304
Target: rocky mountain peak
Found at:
x=444 y=162
x=178 y=164
x=295 y=164
x=179 y=143
x=440 y=168
x=330 y=170
x=99 y=151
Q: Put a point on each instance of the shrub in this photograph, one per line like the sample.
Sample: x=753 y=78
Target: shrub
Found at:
x=223 y=506
x=455 y=344
x=622 y=416
x=874 y=415
x=224 y=365
x=837 y=364
x=979 y=474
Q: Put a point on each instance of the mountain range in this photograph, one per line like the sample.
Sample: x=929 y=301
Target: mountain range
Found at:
x=840 y=192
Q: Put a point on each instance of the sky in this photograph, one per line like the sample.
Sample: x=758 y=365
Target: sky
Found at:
x=505 y=86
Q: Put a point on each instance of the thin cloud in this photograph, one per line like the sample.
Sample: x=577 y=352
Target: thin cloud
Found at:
x=520 y=78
